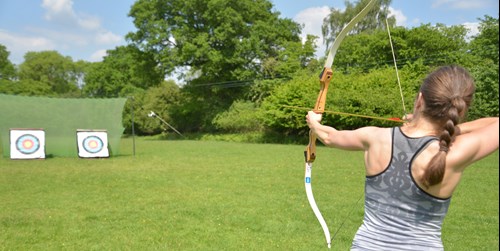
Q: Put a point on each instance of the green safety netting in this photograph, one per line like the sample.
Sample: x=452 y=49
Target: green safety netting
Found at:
x=60 y=118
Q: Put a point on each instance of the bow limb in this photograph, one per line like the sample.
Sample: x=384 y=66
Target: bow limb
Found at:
x=310 y=153
x=319 y=107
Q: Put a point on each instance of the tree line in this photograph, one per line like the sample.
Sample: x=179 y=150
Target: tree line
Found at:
x=244 y=69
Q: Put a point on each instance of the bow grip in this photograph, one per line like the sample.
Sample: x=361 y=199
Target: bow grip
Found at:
x=324 y=79
x=310 y=152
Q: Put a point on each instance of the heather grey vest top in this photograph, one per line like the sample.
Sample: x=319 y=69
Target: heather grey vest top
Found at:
x=398 y=214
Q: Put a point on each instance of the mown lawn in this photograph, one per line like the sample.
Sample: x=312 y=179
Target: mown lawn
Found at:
x=210 y=195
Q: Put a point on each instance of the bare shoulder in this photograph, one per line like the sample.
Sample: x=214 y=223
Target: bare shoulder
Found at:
x=375 y=135
x=373 y=130
x=378 y=149
x=360 y=139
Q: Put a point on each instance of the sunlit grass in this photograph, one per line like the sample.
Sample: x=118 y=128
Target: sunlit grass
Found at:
x=207 y=195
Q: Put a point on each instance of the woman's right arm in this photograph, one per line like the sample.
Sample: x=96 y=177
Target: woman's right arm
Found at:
x=471 y=126
x=478 y=139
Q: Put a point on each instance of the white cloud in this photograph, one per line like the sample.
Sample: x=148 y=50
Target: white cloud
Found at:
x=58 y=8
x=60 y=37
x=18 y=45
x=76 y=31
x=312 y=19
x=98 y=55
x=107 y=37
x=416 y=22
x=89 y=22
x=473 y=29
x=61 y=12
x=400 y=17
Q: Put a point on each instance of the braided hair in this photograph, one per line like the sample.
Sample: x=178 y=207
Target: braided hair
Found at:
x=447 y=93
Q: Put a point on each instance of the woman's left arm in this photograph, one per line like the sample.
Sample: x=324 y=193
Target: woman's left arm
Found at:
x=355 y=140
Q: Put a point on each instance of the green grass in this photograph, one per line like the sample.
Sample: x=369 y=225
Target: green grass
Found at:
x=208 y=195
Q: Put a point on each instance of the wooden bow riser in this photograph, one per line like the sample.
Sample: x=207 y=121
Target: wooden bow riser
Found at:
x=319 y=107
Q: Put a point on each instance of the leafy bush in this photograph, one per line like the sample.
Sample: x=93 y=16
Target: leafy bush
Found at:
x=242 y=116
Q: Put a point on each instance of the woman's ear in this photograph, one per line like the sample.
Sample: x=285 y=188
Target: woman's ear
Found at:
x=419 y=103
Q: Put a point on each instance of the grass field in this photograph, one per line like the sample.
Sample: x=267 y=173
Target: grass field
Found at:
x=209 y=195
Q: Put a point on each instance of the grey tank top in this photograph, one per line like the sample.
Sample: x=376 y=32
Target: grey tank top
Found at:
x=398 y=214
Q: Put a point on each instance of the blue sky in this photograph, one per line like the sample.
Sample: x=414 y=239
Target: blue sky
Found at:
x=85 y=29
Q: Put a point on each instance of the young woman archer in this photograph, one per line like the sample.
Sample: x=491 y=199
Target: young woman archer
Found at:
x=412 y=170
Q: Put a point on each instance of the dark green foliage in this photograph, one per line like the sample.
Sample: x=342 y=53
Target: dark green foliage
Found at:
x=123 y=71
x=218 y=42
x=484 y=68
x=52 y=69
x=161 y=99
x=7 y=70
x=245 y=69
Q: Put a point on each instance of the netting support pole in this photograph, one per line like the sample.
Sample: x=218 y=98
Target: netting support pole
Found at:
x=133 y=122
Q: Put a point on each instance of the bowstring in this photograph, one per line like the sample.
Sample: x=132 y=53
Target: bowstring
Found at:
x=345 y=218
x=396 y=67
x=404 y=110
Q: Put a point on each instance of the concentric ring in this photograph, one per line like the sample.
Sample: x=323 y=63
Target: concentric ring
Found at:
x=27 y=144
x=92 y=144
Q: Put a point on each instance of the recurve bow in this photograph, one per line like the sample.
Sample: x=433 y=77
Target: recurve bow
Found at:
x=319 y=107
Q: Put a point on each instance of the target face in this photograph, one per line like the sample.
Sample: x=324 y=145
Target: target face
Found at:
x=27 y=143
x=92 y=143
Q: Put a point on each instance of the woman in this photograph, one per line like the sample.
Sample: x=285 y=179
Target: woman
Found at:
x=412 y=170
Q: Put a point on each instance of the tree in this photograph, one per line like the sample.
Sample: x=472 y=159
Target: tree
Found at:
x=49 y=68
x=121 y=72
x=7 y=69
x=373 y=93
x=485 y=44
x=375 y=19
x=484 y=48
x=161 y=99
x=223 y=39
x=218 y=41
x=434 y=45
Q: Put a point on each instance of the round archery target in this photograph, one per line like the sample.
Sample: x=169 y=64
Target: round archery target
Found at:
x=27 y=143
x=92 y=143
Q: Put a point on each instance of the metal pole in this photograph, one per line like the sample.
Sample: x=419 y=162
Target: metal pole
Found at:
x=133 y=129
x=153 y=114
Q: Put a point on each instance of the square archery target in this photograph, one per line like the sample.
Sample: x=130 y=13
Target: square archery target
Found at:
x=92 y=143
x=27 y=144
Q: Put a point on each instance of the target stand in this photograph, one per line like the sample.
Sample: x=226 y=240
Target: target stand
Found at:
x=92 y=143
x=27 y=143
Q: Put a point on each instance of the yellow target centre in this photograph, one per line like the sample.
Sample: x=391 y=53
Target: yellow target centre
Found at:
x=93 y=144
x=27 y=144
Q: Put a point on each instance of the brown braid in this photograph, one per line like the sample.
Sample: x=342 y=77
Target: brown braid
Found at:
x=447 y=94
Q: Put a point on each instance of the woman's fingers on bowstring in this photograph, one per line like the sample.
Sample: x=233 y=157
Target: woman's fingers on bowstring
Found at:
x=408 y=117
